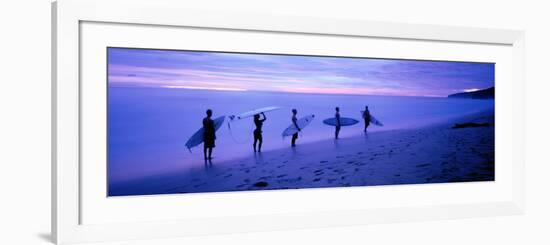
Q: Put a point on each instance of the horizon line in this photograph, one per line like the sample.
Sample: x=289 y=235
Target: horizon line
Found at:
x=270 y=91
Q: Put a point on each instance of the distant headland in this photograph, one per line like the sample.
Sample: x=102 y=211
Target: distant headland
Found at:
x=488 y=93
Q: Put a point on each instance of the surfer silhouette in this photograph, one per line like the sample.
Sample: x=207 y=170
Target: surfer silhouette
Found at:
x=258 y=131
x=209 y=134
x=294 y=121
x=338 y=125
x=366 y=117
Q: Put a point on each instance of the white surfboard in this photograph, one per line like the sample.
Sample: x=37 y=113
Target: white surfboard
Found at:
x=344 y=121
x=302 y=123
x=198 y=137
x=254 y=112
x=373 y=120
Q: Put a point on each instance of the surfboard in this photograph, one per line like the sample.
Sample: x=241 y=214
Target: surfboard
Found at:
x=344 y=121
x=302 y=123
x=373 y=120
x=198 y=137
x=254 y=112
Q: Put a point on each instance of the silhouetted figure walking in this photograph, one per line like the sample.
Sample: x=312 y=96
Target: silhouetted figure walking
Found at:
x=209 y=134
x=258 y=131
x=338 y=125
x=366 y=117
x=294 y=121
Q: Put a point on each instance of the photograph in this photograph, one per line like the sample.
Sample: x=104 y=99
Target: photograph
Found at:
x=203 y=121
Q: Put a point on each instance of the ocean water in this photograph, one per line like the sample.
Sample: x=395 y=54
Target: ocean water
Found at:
x=148 y=127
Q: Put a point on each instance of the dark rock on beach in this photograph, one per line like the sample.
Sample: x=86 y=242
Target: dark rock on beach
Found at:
x=470 y=125
x=261 y=184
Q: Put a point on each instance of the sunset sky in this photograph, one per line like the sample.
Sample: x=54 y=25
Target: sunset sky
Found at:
x=299 y=74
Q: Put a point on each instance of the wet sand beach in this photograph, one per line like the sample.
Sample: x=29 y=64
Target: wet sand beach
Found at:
x=437 y=153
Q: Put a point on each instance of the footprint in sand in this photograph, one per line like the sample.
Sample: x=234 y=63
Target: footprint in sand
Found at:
x=291 y=180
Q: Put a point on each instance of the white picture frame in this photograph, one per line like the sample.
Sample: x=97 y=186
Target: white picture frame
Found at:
x=68 y=17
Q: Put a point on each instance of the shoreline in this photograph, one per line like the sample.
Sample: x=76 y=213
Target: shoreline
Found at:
x=435 y=153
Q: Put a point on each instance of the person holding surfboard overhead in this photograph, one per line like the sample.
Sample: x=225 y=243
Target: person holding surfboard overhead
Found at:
x=209 y=134
x=366 y=118
x=338 y=124
x=258 y=131
x=294 y=121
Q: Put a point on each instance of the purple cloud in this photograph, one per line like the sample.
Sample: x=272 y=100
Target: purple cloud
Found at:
x=290 y=73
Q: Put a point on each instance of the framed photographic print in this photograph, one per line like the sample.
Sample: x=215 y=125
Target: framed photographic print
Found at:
x=363 y=121
x=206 y=123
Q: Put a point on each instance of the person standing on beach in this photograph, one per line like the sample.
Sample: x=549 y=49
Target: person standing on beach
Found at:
x=258 y=131
x=366 y=117
x=209 y=134
x=295 y=122
x=338 y=125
